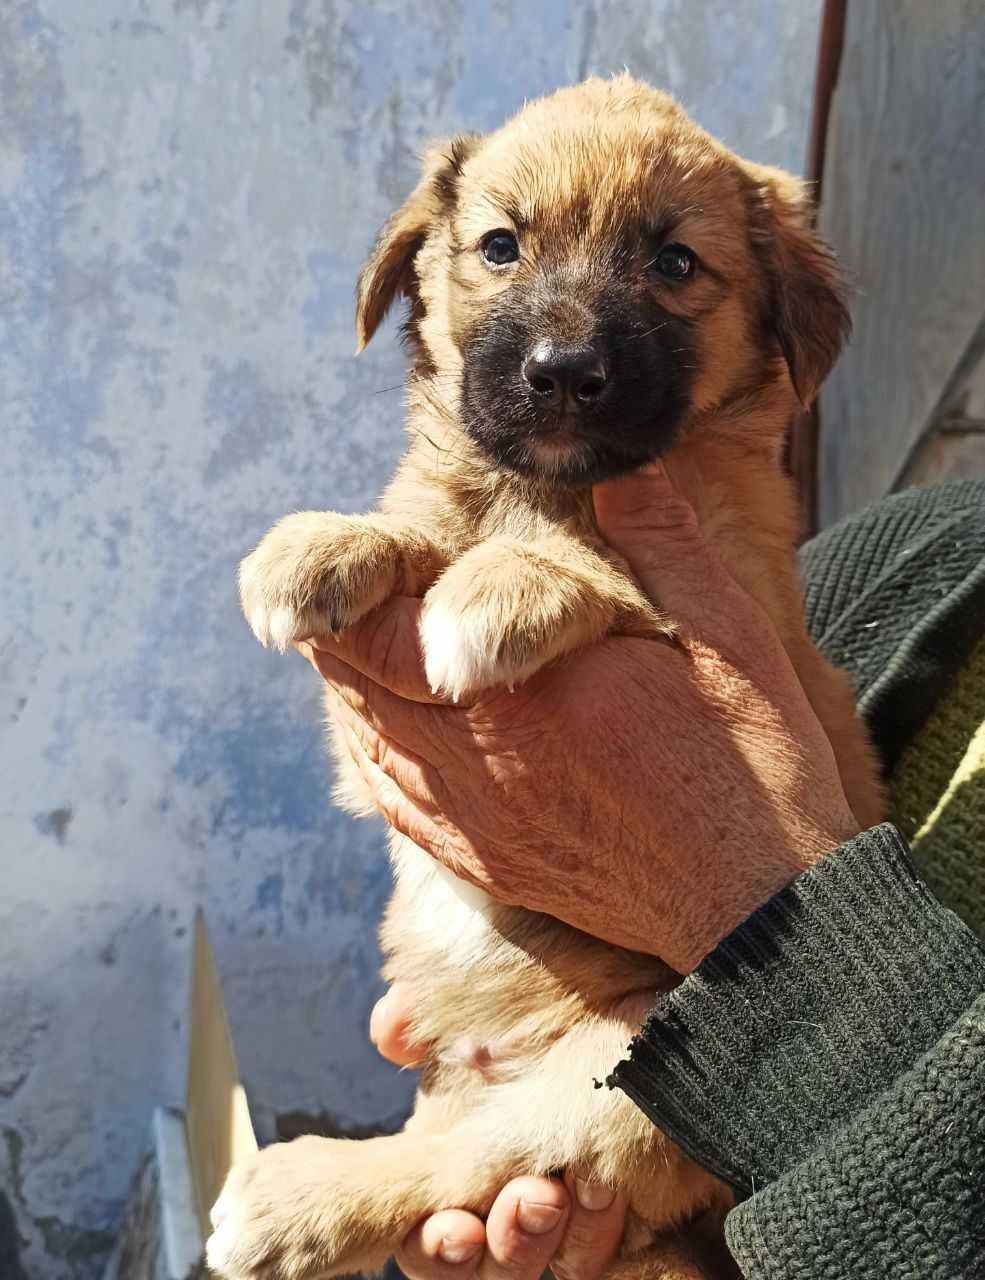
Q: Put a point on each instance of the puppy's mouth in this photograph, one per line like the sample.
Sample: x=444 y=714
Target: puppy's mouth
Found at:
x=566 y=458
x=562 y=450
x=566 y=450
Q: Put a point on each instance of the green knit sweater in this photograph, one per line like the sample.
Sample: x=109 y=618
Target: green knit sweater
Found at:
x=828 y=1058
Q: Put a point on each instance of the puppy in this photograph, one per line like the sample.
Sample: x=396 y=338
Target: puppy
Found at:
x=596 y=284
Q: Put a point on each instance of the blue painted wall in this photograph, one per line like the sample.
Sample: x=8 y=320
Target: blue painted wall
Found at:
x=186 y=191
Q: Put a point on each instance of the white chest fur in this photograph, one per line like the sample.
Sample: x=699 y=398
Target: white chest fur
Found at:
x=448 y=914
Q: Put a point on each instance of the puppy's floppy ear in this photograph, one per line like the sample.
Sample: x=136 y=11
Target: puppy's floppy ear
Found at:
x=388 y=271
x=807 y=306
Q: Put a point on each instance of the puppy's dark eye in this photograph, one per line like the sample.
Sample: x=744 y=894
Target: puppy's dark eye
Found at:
x=500 y=248
x=675 y=262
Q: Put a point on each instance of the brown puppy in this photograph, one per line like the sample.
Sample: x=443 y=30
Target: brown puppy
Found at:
x=596 y=284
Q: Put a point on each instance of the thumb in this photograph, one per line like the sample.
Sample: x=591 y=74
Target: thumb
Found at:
x=389 y=1027
x=653 y=527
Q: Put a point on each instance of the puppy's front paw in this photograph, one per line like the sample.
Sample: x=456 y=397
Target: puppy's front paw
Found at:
x=258 y=1220
x=282 y=1214
x=315 y=573
x=500 y=613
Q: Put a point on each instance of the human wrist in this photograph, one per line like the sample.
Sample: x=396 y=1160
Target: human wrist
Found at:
x=756 y=878
x=809 y=843
x=805 y=1011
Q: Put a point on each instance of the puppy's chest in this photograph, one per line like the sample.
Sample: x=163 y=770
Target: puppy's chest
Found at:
x=441 y=917
x=487 y=1003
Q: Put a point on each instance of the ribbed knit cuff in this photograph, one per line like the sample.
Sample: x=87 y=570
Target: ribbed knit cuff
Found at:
x=805 y=1013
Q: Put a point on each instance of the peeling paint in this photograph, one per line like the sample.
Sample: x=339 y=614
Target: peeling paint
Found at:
x=55 y=822
x=187 y=188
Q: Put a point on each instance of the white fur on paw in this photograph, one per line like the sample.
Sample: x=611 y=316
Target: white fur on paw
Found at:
x=458 y=653
x=277 y=627
x=283 y=628
x=260 y=625
x=228 y=1222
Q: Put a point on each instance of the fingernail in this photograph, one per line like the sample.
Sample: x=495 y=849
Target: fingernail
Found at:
x=452 y=1250
x=592 y=1196
x=537 y=1219
x=652 y=469
x=377 y=1012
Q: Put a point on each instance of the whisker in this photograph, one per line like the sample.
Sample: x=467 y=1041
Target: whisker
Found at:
x=437 y=447
x=636 y=337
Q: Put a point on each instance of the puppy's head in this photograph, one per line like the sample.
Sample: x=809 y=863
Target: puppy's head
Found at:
x=598 y=276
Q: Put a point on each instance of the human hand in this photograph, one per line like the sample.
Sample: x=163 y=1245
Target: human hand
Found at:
x=650 y=794
x=534 y=1223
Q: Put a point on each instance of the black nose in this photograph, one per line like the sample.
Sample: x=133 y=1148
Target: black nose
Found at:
x=564 y=376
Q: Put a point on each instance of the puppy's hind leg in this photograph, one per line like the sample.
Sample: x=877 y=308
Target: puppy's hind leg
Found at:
x=321 y=1207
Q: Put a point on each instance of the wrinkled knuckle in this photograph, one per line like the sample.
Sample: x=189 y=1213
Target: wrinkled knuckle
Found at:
x=525 y=1257
x=438 y=778
x=588 y=1247
x=382 y=755
x=380 y=641
x=578 y=1259
x=578 y=1263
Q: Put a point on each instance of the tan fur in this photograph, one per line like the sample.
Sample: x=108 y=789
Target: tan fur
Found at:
x=515 y=576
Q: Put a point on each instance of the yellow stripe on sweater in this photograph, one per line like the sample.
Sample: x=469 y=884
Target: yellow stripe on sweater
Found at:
x=937 y=796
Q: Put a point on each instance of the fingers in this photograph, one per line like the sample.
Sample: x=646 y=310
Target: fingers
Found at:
x=402 y=795
x=403 y=798
x=534 y=1223
x=358 y=701
x=522 y=1234
x=594 y=1233
x=446 y=1246
x=524 y=1229
x=383 y=646
x=389 y=1027
x=381 y=745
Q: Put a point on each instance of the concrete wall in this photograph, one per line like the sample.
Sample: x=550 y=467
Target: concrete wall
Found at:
x=186 y=190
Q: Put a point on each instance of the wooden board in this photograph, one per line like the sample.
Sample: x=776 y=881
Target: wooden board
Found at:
x=973 y=407
x=160 y=1238
x=951 y=454
x=217 y=1116
x=904 y=206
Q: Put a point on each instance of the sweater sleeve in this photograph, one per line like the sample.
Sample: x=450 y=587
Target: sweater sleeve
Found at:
x=898 y=1190
x=803 y=1017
